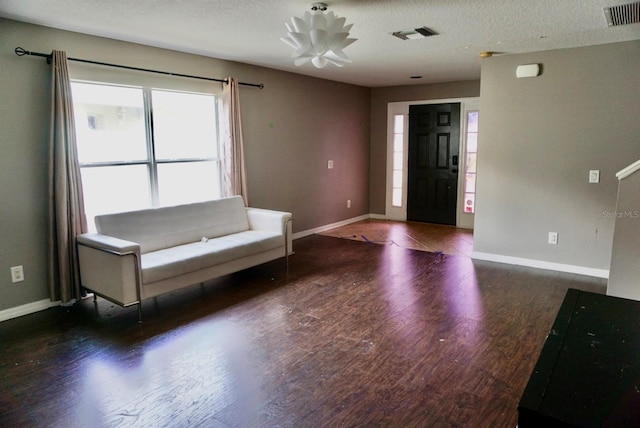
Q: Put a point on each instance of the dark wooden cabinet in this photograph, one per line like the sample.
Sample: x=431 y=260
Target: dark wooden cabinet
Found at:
x=588 y=373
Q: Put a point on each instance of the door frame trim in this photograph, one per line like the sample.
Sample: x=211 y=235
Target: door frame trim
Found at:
x=463 y=219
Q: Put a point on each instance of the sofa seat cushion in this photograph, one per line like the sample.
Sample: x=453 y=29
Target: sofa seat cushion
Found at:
x=182 y=259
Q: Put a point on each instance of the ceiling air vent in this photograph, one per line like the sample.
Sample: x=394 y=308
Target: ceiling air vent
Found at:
x=417 y=33
x=623 y=14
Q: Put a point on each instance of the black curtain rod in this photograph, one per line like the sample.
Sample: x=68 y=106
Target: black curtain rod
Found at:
x=21 y=52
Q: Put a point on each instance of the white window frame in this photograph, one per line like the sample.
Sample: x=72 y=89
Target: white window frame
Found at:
x=151 y=161
x=466 y=154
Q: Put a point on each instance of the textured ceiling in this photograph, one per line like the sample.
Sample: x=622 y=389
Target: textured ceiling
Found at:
x=249 y=31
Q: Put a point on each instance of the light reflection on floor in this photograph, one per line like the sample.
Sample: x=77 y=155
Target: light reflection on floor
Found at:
x=207 y=363
x=462 y=299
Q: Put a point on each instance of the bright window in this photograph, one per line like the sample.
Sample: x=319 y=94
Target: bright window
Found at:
x=141 y=147
x=470 y=162
x=398 y=153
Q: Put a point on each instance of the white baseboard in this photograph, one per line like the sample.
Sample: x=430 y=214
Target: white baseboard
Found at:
x=320 y=229
x=27 y=309
x=540 y=264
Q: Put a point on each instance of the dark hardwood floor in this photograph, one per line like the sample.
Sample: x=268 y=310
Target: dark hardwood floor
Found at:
x=357 y=335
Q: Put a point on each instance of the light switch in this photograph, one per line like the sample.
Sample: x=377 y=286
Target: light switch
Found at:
x=330 y=164
x=594 y=176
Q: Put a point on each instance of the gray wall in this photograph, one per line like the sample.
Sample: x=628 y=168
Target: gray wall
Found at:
x=380 y=97
x=291 y=128
x=625 y=269
x=539 y=137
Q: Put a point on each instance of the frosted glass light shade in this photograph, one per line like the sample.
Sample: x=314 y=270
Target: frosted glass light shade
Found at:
x=319 y=38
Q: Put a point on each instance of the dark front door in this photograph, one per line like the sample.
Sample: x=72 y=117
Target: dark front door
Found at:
x=434 y=135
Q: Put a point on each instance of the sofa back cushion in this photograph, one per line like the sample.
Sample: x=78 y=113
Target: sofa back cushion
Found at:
x=165 y=227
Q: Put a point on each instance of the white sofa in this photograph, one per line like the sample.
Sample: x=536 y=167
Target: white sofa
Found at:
x=141 y=254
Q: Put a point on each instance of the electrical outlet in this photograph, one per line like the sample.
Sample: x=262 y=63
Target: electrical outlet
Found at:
x=594 y=176
x=17 y=274
x=553 y=238
x=330 y=164
x=348 y=203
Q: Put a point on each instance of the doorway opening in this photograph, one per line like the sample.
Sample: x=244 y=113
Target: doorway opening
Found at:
x=398 y=147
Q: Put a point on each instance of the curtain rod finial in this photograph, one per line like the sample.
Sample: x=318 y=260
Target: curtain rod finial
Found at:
x=21 y=51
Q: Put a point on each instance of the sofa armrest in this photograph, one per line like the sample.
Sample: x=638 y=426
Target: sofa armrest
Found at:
x=275 y=221
x=261 y=219
x=108 y=243
x=110 y=267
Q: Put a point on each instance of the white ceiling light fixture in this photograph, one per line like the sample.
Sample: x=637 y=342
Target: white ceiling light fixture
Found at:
x=318 y=37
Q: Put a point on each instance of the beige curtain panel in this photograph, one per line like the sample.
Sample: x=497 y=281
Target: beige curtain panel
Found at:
x=234 y=177
x=66 y=206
